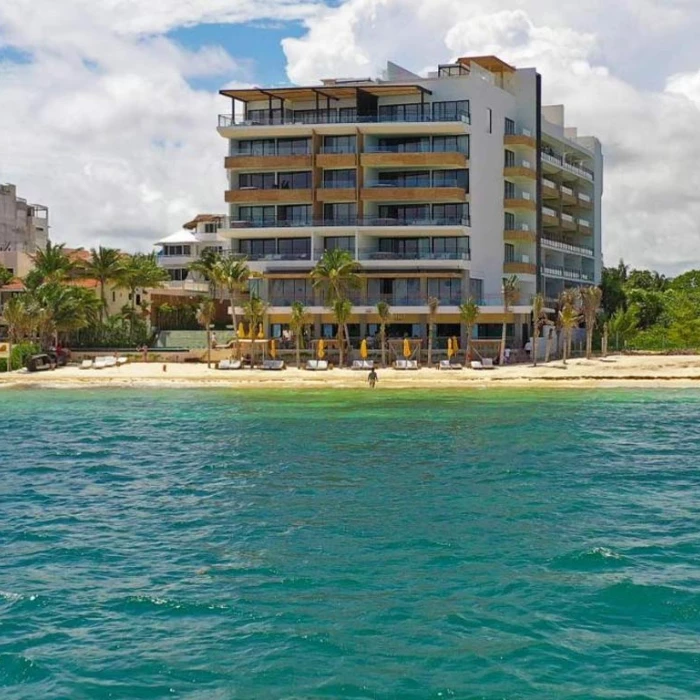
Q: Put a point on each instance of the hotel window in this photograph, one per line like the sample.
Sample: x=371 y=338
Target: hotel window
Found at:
x=210 y=228
x=451 y=212
x=177 y=275
x=286 y=291
x=176 y=250
x=339 y=243
x=257 y=248
x=339 y=144
x=295 y=213
x=258 y=181
x=509 y=190
x=411 y=178
x=510 y=158
x=451 y=178
x=446 y=290
x=404 y=145
x=476 y=289
x=509 y=252
x=509 y=126
x=452 y=111
x=451 y=245
x=293 y=147
x=257 y=214
x=509 y=222
x=334 y=179
x=295 y=181
x=257 y=147
x=489 y=120
x=340 y=214
x=347 y=115
x=294 y=248
x=451 y=144
x=264 y=116
x=400 y=113
x=399 y=212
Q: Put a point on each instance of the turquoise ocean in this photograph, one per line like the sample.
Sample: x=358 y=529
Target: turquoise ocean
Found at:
x=214 y=544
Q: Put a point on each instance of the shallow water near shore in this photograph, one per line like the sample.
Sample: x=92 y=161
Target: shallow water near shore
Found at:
x=495 y=544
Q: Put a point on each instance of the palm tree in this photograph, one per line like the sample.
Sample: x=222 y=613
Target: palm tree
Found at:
x=623 y=325
x=232 y=274
x=569 y=318
x=61 y=309
x=52 y=263
x=384 y=313
x=468 y=314
x=342 y=308
x=141 y=271
x=433 y=303
x=205 y=317
x=548 y=347
x=20 y=317
x=569 y=299
x=591 y=298
x=205 y=266
x=105 y=266
x=510 y=293
x=335 y=274
x=299 y=319
x=606 y=332
x=538 y=321
x=254 y=310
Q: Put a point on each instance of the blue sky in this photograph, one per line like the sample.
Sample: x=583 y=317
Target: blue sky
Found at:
x=256 y=45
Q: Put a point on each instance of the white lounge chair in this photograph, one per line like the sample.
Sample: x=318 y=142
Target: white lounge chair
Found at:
x=317 y=365
x=448 y=364
x=110 y=361
x=122 y=361
x=411 y=364
x=401 y=364
x=224 y=364
x=487 y=363
x=476 y=364
x=358 y=364
x=100 y=363
x=368 y=364
x=86 y=364
x=273 y=364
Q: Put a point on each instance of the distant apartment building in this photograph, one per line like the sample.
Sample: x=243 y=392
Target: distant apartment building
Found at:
x=23 y=229
x=180 y=249
x=439 y=187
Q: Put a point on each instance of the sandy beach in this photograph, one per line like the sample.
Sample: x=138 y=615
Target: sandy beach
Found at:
x=615 y=371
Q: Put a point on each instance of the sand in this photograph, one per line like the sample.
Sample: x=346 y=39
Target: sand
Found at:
x=640 y=371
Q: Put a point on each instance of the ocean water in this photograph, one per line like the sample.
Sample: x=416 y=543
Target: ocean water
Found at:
x=219 y=544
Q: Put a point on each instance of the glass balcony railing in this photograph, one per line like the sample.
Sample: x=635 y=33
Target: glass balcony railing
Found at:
x=255 y=257
x=567 y=247
x=375 y=254
x=556 y=159
x=288 y=300
x=339 y=185
x=333 y=117
x=565 y=272
x=348 y=221
x=417 y=182
x=263 y=154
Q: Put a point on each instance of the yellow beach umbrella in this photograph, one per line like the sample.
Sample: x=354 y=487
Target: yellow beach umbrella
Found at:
x=450 y=351
x=241 y=330
x=273 y=349
x=320 y=349
x=261 y=333
x=363 y=349
x=406 y=348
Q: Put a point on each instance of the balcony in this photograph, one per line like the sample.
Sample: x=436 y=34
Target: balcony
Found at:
x=247 y=160
x=375 y=254
x=253 y=195
x=550 y=190
x=422 y=191
x=350 y=222
x=332 y=116
x=558 y=161
x=521 y=137
x=267 y=257
x=568 y=223
x=584 y=226
x=391 y=157
x=584 y=201
x=516 y=199
x=408 y=300
x=565 y=273
x=288 y=300
x=520 y=234
x=520 y=168
x=567 y=247
x=168 y=261
x=550 y=217
x=336 y=157
x=519 y=265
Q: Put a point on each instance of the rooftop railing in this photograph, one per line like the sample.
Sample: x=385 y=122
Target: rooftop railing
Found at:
x=556 y=159
x=332 y=117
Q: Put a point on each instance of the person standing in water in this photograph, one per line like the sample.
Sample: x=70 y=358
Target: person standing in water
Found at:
x=372 y=378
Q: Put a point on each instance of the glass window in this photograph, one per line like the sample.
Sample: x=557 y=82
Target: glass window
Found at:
x=295 y=181
x=451 y=144
x=476 y=289
x=448 y=212
x=293 y=147
x=450 y=111
x=339 y=178
x=339 y=243
x=253 y=147
x=509 y=126
x=509 y=190
x=451 y=178
x=339 y=144
x=509 y=252
x=259 y=181
x=401 y=113
x=404 y=145
x=411 y=178
x=398 y=212
x=294 y=248
x=285 y=292
x=340 y=214
x=264 y=116
x=257 y=214
x=448 y=291
x=510 y=158
x=257 y=248
x=347 y=115
x=295 y=213
x=509 y=223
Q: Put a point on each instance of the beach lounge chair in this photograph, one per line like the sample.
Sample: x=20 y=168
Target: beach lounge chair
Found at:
x=401 y=364
x=476 y=364
x=224 y=364
x=444 y=364
x=110 y=361
x=368 y=364
x=122 y=361
x=358 y=364
x=86 y=364
x=317 y=365
x=100 y=363
x=273 y=364
x=411 y=364
x=487 y=363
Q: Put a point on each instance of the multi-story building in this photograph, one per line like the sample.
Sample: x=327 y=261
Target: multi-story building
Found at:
x=439 y=186
x=179 y=250
x=23 y=229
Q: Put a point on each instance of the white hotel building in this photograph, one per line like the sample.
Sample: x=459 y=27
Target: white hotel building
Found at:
x=439 y=186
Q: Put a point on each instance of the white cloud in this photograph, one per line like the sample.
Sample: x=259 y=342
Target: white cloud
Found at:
x=651 y=207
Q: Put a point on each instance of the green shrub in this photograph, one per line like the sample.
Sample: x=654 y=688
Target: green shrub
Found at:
x=20 y=355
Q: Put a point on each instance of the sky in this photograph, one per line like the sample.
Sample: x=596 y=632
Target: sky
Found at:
x=109 y=107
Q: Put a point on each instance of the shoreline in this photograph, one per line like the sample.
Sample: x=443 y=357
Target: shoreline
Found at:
x=675 y=371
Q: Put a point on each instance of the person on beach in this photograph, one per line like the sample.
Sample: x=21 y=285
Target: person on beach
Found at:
x=214 y=342
x=372 y=378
